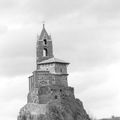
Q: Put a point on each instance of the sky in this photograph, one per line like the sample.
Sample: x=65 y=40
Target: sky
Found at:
x=85 y=33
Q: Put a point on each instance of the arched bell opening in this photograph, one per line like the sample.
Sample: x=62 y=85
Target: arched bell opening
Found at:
x=45 y=52
x=44 y=41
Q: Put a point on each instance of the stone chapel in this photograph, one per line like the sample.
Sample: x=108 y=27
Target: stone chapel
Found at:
x=50 y=97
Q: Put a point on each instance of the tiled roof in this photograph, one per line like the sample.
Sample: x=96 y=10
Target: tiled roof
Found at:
x=53 y=60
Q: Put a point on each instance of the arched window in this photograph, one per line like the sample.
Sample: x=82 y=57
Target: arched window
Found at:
x=45 y=52
x=45 y=41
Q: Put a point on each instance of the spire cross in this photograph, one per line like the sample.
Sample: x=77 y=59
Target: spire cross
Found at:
x=43 y=23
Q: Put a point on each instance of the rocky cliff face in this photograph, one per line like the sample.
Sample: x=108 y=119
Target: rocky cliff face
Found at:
x=67 y=108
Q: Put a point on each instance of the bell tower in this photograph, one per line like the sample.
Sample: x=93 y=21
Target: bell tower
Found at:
x=44 y=48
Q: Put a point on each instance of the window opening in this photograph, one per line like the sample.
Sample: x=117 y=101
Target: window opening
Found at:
x=45 y=41
x=45 y=52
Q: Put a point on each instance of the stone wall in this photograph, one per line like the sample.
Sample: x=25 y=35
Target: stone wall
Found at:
x=44 y=78
x=48 y=93
x=47 y=67
x=44 y=94
x=53 y=68
x=61 y=80
x=60 y=68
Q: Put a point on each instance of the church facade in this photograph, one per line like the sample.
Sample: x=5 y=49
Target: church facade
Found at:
x=50 y=97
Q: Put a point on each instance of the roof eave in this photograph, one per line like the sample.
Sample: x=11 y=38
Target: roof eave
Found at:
x=53 y=62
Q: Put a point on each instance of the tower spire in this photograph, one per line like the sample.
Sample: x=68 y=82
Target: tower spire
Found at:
x=44 y=46
x=43 y=24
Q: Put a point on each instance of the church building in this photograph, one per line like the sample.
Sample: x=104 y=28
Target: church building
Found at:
x=50 y=97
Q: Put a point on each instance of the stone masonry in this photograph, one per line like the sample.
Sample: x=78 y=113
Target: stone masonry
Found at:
x=50 y=97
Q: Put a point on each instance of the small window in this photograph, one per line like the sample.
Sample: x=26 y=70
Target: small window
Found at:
x=45 y=41
x=60 y=69
x=60 y=90
x=45 y=52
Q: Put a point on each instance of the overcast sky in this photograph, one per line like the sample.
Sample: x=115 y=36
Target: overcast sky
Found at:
x=85 y=33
